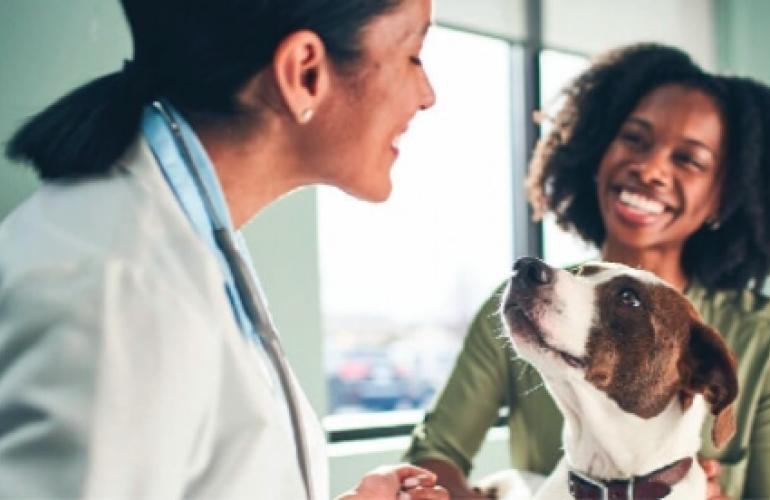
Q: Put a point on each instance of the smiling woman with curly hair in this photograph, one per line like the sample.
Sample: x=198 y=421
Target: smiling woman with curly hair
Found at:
x=666 y=167
x=733 y=249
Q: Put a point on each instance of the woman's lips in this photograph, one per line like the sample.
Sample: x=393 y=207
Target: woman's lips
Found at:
x=637 y=209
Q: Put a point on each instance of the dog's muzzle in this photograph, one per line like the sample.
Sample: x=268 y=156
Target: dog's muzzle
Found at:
x=530 y=276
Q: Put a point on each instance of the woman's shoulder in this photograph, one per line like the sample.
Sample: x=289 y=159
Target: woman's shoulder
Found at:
x=743 y=305
x=129 y=215
x=743 y=319
x=128 y=219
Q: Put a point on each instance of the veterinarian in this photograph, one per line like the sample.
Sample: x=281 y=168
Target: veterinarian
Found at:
x=667 y=168
x=137 y=357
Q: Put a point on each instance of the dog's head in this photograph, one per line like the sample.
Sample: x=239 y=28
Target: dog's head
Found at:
x=624 y=331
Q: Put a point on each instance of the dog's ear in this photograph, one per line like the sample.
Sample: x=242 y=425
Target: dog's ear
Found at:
x=708 y=368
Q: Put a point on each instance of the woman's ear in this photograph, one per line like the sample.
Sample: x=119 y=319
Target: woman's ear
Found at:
x=302 y=73
x=709 y=369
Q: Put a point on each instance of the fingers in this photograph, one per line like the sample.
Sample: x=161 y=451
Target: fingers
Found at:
x=415 y=475
x=424 y=493
x=713 y=470
x=419 y=484
x=711 y=467
x=714 y=491
x=419 y=480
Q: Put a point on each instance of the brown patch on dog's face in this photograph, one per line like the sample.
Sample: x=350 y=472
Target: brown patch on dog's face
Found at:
x=635 y=346
x=649 y=346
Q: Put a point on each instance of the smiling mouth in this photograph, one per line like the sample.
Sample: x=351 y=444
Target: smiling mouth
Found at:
x=396 y=142
x=641 y=202
x=527 y=329
x=638 y=208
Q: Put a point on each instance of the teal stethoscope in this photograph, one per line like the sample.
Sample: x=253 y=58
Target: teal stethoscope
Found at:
x=249 y=293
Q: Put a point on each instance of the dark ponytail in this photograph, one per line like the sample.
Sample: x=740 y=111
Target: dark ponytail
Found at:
x=84 y=132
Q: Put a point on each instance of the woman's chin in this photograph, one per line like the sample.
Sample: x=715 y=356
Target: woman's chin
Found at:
x=380 y=198
x=372 y=193
x=638 y=236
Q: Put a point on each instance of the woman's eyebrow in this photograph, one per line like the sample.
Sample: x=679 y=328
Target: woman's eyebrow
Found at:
x=639 y=121
x=419 y=33
x=697 y=143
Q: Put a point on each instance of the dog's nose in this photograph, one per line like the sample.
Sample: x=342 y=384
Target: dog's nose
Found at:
x=532 y=272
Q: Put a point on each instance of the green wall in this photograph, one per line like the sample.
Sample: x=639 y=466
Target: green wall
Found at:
x=47 y=48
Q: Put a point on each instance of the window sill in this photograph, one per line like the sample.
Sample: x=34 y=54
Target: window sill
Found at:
x=351 y=427
x=368 y=426
x=371 y=446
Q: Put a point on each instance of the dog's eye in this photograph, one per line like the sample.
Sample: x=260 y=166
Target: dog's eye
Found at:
x=629 y=298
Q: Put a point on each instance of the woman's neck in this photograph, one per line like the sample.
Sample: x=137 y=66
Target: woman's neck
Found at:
x=665 y=262
x=253 y=172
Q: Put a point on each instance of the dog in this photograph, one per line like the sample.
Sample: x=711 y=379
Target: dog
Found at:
x=632 y=368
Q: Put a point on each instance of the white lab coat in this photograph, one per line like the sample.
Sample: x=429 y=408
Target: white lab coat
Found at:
x=123 y=373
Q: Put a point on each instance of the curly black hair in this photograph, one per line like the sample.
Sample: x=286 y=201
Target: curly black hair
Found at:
x=733 y=256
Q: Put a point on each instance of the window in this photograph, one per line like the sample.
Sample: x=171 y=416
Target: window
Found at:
x=441 y=244
x=560 y=248
x=435 y=250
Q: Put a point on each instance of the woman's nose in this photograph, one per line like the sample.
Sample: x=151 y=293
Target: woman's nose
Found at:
x=428 y=96
x=654 y=170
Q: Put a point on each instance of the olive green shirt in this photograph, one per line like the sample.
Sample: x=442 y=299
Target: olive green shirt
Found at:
x=487 y=377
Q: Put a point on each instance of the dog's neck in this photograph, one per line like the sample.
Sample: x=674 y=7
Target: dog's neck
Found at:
x=603 y=441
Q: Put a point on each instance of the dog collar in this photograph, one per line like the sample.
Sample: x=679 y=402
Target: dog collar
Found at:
x=652 y=486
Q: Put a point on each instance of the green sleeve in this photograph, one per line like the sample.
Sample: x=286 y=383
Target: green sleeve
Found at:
x=758 y=474
x=454 y=429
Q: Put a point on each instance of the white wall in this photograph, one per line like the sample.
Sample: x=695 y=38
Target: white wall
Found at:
x=505 y=18
x=592 y=26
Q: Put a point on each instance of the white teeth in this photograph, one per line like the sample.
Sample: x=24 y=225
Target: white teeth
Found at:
x=642 y=203
x=396 y=142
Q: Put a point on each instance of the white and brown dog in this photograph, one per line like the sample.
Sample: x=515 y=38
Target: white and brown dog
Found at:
x=632 y=368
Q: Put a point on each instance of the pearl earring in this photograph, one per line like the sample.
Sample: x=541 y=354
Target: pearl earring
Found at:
x=306 y=115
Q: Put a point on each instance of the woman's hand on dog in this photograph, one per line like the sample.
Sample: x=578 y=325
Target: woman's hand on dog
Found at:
x=713 y=471
x=399 y=482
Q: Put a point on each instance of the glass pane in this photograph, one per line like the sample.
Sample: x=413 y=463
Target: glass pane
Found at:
x=560 y=248
x=400 y=281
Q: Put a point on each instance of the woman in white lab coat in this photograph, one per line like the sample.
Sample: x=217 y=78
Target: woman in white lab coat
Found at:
x=137 y=358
